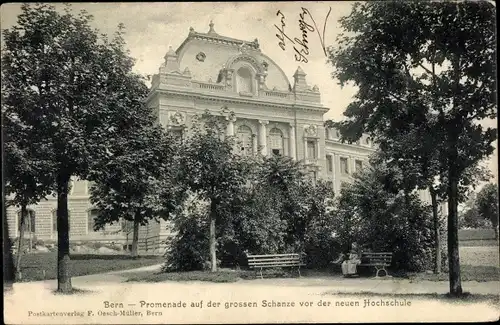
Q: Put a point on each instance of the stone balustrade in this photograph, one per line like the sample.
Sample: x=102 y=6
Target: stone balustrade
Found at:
x=209 y=86
x=275 y=93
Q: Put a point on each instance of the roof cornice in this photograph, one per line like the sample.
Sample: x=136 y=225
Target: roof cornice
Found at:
x=234 y=99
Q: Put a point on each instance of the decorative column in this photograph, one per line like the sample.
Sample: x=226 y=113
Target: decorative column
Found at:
x=306 y=154
x=230 y=125
x=255 y=145
x=291 y=143
x=334 y=172
x=318 y=151
x=263 y=136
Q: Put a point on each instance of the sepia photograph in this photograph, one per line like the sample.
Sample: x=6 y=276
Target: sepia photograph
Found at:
x=249 y=162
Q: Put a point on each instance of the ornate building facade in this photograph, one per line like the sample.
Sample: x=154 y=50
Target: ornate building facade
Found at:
x=272 y=116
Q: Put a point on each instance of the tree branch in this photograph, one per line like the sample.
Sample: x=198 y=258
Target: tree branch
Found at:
x=398 y=98
x=433 y=73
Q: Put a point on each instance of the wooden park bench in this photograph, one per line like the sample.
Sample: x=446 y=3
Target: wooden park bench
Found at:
x=378 y=260
x=273 y=261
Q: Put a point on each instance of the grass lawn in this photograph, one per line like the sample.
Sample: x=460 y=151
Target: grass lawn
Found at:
x=465 y=298
x=223 y=275
x=478 y=242
x=480 y=273
x=80 y=264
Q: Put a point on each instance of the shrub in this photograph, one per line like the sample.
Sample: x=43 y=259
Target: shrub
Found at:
x=381 y=218
x=94 y=245
x=188 y=249
x=321 y=247
x=278 y=211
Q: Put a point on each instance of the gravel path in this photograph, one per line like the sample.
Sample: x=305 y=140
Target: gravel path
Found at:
x=267 y=300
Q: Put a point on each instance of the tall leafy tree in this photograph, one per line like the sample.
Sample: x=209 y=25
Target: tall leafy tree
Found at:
x=8 y=262
x=293 y=194
x=211 y=169
x=137 y=181
x=487 y=205
x=69 y=84
x=427 y=65
x=412 y=155
x=28 y=170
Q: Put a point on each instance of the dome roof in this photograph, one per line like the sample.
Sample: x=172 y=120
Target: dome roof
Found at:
x=206 y=54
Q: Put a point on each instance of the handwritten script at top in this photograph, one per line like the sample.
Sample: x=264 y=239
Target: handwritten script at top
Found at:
x=300 y=45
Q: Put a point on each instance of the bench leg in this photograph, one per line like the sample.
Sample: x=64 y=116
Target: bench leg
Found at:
x=262 y=277
x=381 y=269
x=298 y=269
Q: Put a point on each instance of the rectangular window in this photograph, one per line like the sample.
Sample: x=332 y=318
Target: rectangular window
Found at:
x=311 y=149
x=177 y=133
x=91 y=216
x=29 y=221
x=329 y=163
x=330 y=184
x=276 y=152
x=313 y=176
x=344 y=166
x=127 y=226
x=359 y=165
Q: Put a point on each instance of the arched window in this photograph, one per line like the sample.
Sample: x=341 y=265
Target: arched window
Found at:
x=276 y=142
x=91 y=216
x=244 y=80
x=54 y=220
x=29 y=222
x=245 y=144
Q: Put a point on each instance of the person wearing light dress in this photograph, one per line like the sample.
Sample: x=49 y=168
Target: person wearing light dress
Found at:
x=349 y=266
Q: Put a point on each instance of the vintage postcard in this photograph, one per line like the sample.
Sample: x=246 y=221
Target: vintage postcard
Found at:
x=249 y=162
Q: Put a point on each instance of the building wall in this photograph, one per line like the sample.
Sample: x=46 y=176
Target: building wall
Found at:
x=79 y=208
x=186 y=86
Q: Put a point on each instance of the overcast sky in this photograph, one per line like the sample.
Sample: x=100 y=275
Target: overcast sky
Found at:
x=152 y=27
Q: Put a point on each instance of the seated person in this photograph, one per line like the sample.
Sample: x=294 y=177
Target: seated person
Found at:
x=349 y=267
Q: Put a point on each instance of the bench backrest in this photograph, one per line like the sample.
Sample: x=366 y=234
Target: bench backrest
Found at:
x=384 y=258
x=277 y=260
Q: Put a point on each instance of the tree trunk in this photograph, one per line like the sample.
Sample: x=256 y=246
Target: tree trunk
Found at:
x=437 y=236
x=20 y=240
x=453 y=255
x=30 y=247
x=135 y=235
x=8 y=262
x=63 y=258
x=212 y=241
x=495 y=229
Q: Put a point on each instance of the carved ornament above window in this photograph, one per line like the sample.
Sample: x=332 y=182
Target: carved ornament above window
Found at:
x=311 y=130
